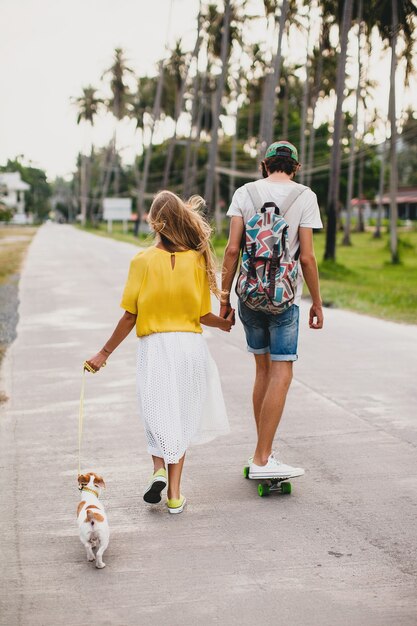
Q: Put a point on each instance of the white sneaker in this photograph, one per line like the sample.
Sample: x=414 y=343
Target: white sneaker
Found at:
x=274 y=469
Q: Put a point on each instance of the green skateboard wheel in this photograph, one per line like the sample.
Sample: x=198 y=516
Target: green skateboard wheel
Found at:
x=263 y=490
x=246 y=471
x=286 y=487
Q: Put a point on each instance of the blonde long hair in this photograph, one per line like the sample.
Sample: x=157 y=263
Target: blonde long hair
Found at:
x=181 y=226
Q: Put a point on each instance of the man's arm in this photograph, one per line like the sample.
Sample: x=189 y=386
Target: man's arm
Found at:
x=230 y=263
x=311 y=275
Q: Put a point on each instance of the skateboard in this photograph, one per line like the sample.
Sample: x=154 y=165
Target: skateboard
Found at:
x=269 y=485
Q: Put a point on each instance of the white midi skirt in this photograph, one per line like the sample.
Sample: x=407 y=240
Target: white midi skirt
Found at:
x=179 y=391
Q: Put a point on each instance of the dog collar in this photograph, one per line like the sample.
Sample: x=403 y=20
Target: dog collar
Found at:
x=90 y=490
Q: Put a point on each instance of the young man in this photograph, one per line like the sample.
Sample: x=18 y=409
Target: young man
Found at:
x=273 y=338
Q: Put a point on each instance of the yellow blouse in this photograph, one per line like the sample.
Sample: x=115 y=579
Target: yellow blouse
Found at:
x=165 y=298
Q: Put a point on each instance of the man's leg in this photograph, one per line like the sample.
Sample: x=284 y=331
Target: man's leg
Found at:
x=272 y=407
x=263 y=369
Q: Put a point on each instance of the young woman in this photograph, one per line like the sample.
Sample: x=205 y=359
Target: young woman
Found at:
x=167 y=298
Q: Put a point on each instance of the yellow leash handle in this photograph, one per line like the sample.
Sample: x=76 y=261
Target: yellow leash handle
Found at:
x=87 y=367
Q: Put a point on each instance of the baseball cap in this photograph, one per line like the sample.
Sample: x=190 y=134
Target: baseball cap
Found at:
x=274 y=150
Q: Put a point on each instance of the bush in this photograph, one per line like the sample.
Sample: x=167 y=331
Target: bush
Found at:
x=6 y=214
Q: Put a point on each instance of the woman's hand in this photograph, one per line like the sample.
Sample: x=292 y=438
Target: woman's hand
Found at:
x=97 y=361
x=215 y=321
x=227 y=322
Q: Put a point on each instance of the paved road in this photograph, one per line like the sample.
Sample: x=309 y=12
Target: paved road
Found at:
x=340 y=550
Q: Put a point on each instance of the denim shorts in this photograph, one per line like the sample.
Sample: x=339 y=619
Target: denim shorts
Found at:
x=268 y=333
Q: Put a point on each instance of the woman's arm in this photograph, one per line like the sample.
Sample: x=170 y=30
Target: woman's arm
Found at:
x=123 y=328
x=219 y=322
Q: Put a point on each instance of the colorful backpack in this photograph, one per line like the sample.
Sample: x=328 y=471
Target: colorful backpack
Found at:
x=267 y=279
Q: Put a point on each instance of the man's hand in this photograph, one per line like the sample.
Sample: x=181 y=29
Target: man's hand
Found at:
x=225 y=310
x=316 y=316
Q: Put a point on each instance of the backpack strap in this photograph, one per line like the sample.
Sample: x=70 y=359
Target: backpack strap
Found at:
x=288 y=203
x=254 y=195
x=291 y=198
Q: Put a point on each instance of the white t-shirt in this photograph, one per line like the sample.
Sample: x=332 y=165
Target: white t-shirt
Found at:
x=303 y=213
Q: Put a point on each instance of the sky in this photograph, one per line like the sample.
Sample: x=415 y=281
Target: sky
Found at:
x=50 y=49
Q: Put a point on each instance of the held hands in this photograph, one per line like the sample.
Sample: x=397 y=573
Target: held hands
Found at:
x=316 y=316
x=225 y=310
x=227 y=322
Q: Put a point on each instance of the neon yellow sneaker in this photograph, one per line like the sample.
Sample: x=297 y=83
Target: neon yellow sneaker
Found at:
x=176 y=506
x=158 y=483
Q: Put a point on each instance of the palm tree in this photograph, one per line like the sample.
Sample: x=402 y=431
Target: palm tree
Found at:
x=118 y=104
x=377 y=233
x=305 y=97
x=324 y=71
x=154 y=118
x=346 y=238
x=89 y=105
x=210 y=178
x=271 y=83
x=335 y=159
x=141 y=107
x=181 y=73
x=395 y=17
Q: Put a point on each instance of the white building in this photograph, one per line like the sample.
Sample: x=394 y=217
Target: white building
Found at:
x=12 y=194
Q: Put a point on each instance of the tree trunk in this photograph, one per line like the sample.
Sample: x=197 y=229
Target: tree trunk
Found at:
x=271 y=83
x=195 y=145
x=217 y=209
x=136 y=227
x=312 y=137
x=180 y=102
x=377 y=233
x=148 y=154
x=251 y=112
x=334 y=180
x=83 y=189
x=108 y=170
x=192 y=136
x=393 y=179
x=346 y=238
x=360 y=227
x=209 y=187
x=304 y=105
x=234 y=145
x=90 y=215
x=285 y=111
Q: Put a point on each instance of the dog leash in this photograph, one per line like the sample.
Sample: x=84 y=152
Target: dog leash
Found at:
x=86 y=367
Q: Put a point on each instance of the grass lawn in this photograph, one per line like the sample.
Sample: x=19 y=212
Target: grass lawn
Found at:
x=118 y=234
x=362 y=279
x=14 y=241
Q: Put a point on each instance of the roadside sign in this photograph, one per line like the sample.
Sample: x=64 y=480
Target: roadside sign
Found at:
x=117 y=209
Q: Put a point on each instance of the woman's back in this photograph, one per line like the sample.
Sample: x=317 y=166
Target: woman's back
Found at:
x=169 y=292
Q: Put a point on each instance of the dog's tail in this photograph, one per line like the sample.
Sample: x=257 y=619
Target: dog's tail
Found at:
x=90 y=517
x=93 y=517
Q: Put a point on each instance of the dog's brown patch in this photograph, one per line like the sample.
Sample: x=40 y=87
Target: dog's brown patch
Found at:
x=92 y=506
x=93 y=515
x=99 y=482
x=84 y=479
x=80 y=506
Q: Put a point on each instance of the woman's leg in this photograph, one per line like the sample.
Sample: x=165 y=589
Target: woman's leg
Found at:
x=158 y=463
x=174 y=478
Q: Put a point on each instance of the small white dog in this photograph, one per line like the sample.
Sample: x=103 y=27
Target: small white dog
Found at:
x=92 y=519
